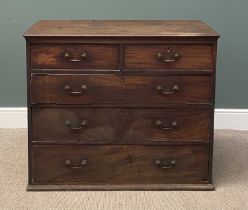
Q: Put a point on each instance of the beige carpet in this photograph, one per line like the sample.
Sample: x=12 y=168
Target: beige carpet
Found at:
x=230 y=177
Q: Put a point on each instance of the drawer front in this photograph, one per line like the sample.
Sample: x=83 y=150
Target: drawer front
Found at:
x=112 y=89
x=119 y=164
x=74 y=56
x=89 y=125
x=180 y=57
x=119 y=125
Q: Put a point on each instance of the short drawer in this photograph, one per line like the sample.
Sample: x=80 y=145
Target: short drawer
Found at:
x=119 y=125
x=113 y=89
x=119 y=164
x=74 y=56
x=177 y=57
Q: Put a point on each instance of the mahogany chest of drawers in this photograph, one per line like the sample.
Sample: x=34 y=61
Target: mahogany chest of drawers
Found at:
x=120 y=105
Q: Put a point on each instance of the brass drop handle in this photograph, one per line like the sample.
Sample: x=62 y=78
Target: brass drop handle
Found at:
x=159 y=163
x=83 y=124
x=160 y=56
x=69 y=164
x=71 y=92
x=159 y=124
x=161 y=90
x=68 y=57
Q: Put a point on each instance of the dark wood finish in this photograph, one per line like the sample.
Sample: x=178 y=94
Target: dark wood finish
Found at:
x=211 y=130
x=29 y=115
x=52 y=56
x=49 y=88
x=121 y=187
x=150 y=105
x=122 y=40
x=120 y=28
x=143 y=120
x=193 y=57
x=119 y=125
x=119 y=164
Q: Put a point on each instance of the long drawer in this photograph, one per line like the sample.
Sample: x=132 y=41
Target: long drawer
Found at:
x=113 y=89
x=119 y=164
x=119 y=125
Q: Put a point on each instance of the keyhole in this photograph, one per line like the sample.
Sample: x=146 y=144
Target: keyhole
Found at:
x=123 y=80
x=168 y=49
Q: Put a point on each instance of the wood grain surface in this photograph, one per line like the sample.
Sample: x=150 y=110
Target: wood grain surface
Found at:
x=52 y=56
x=120 y=28
x=49 y=88
x=119 y=125
x=193 y=57
x=119 y=164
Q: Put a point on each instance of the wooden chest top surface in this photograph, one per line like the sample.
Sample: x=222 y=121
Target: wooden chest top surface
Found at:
x=120 y=28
